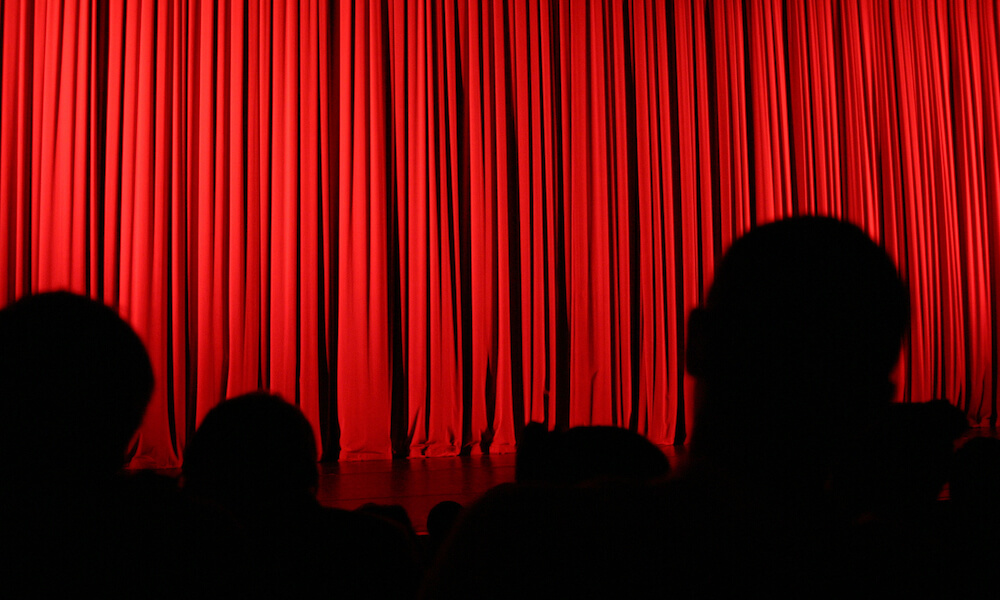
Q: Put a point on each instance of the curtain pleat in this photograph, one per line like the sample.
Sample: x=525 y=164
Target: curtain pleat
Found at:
x=426 y=224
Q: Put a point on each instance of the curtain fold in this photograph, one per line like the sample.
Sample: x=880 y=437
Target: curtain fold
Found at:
x=428 y=223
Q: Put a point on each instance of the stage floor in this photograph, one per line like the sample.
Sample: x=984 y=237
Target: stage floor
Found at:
x=417 y=484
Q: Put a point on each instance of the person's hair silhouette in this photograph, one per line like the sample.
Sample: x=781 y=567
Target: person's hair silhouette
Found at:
x=75 y=381
x=793 y=353
x=254 y=449
x=794 y=348
x=74 y=384
x=255 y=456
x=582 y=454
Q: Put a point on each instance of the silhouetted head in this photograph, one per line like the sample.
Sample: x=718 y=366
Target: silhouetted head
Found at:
x=254 y=451
x=393 y=513
x=796 y=343
x=907 y=460
x=442 y=518
x=975 y=481
x=583 y=454
x=74 y=384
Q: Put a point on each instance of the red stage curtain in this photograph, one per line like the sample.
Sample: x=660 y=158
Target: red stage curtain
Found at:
x=426 y=223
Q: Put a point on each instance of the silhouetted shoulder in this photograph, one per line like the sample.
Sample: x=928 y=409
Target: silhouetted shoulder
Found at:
x=551 y=541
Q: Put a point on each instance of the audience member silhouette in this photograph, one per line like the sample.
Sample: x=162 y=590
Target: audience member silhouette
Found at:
x=440 y=521
x=393 y=513
x=74 y=384
x=889 y=488
x=803 y=478
x=975 y=482
x=899 y=473
x=975 y=509
x=573 y=525
x=794 y=348
x=792 y=353
x=582 y=454
x=256 y=456
x=75 y=381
